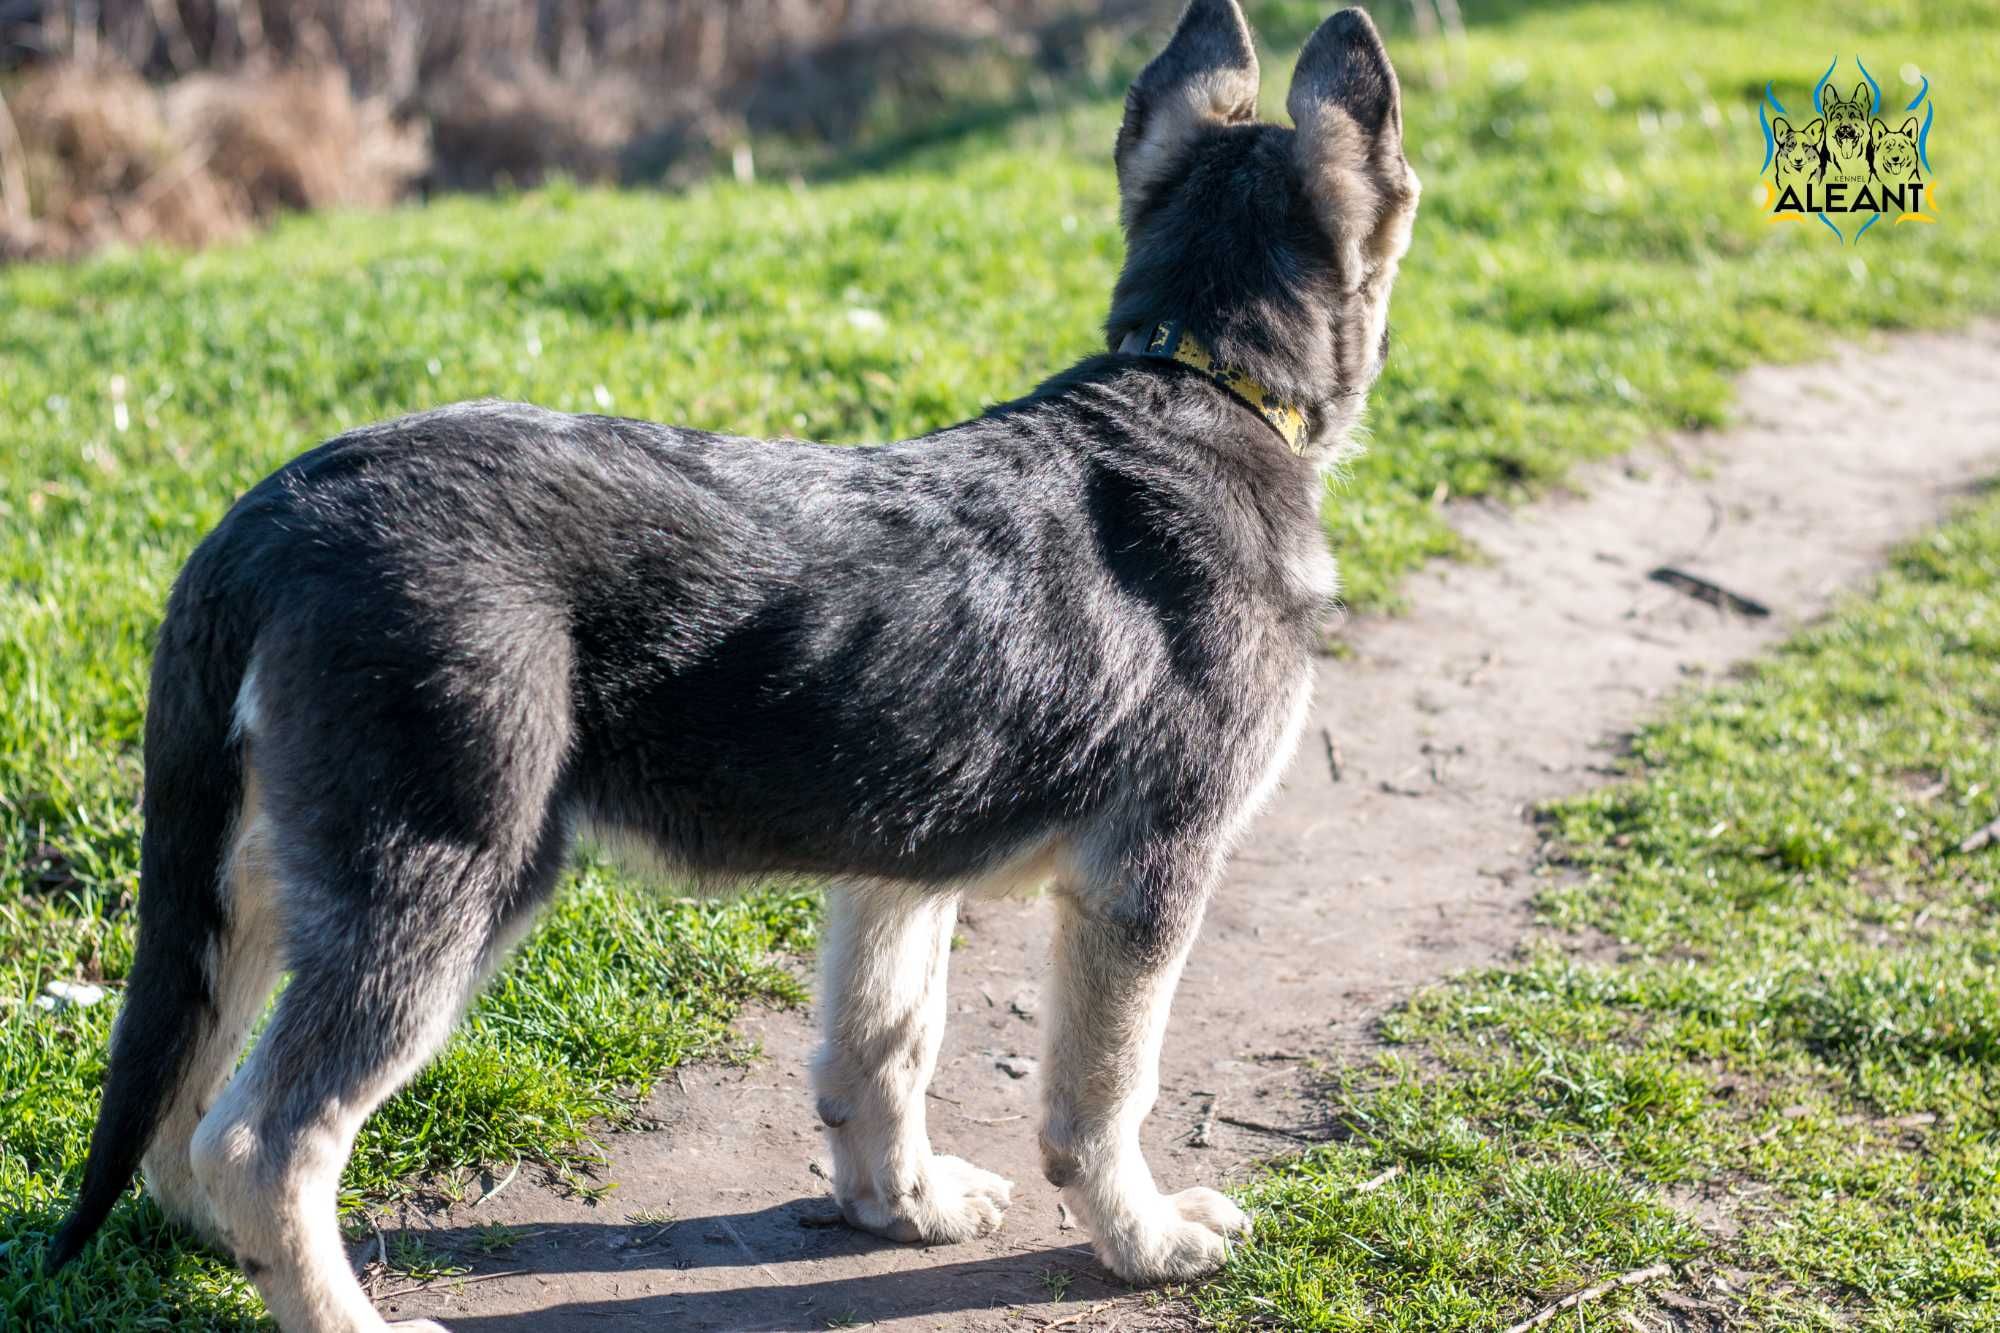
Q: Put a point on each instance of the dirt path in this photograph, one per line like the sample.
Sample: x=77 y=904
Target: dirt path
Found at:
x=1398 y=850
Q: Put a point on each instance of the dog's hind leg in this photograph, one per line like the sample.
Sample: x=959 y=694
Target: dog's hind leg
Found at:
x=1119 y=949
x=379 y=981
x=882 y=966
x=242 y=970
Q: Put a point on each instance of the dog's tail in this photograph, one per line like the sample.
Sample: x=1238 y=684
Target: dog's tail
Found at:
x=193 y=788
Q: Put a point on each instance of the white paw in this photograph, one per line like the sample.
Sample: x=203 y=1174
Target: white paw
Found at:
x=1187 y=1239
x=954 y=1201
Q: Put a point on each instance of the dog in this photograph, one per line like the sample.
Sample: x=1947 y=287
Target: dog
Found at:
x=1847 y=135
x=1800 y=152
x=1067 y=643
x=1893 y=154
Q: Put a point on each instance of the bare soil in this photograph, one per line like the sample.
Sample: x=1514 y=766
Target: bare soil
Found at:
x=1400 y=849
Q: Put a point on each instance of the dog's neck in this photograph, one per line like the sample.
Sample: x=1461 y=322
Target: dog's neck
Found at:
x=1169 y=340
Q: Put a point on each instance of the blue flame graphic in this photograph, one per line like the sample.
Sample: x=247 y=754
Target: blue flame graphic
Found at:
x=1876 y=107
x=1821 y=84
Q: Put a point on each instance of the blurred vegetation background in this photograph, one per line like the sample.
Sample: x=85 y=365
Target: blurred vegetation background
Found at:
x=188 y=120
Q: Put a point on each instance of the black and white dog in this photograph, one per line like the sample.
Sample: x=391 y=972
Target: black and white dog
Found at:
x=1068 y=643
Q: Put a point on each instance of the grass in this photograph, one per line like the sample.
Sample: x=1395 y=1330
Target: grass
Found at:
x=1587 y=270
x=1786 y=1081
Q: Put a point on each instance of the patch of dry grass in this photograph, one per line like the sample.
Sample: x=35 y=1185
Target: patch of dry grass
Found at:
x=98 y=155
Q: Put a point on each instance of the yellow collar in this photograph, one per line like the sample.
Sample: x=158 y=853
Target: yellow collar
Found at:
x=1170 y=340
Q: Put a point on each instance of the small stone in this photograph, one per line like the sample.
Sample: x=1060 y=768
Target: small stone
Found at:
x=60 y=995
x=1017 y=1066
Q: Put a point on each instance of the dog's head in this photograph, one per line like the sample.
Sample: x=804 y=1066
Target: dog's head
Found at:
x=1896 y=150
x=1798 y=149
x=1847 y=122
x=1277 y=245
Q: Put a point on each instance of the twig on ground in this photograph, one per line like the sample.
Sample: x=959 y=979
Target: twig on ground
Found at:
x=497 y=1188
x=461 y=1281
x=748 y=1253
x=1080 y=1315
x=1981 y=837
x=1370 y=1186
x=1204 y=1129
x=1259 y=1127
x=1333 y=764
x=1605 y=1288
x=1702 y=590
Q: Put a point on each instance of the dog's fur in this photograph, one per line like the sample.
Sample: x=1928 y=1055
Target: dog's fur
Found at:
x=1847 y=135
x=1800 y=151
x=1893 y=153
x=1069 y=642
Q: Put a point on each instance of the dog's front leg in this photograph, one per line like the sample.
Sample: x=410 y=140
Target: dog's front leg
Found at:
x=882 y=970
x=1118 y=957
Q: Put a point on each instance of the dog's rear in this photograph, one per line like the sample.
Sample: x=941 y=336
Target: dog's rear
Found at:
x=193 y=794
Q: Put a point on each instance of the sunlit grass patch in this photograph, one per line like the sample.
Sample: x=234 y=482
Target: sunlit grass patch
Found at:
x=1786 y=1085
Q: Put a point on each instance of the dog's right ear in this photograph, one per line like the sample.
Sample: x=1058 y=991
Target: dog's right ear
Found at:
x=1206 y=76
x=1814 y=132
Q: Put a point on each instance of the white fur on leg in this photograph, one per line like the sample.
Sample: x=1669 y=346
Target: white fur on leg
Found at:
x=275 y=1202
x=275 y=1207
x=242 y=970
x=1107 y=1023
x=882 y=969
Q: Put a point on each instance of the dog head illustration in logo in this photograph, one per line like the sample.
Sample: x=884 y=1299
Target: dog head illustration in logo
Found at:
x=1847 y=134
x=1895 y=153
x=1800 y=152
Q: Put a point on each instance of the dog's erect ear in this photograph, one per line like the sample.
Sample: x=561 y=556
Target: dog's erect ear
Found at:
x=1860 y=98
x=1206 y=76
x=1909 y=130
x=1349 y=147
x=1344 y=68
x=1815 y=132
x=1781 y=130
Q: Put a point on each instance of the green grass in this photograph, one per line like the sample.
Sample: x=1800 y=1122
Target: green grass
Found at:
x=1787 y=1079
x=1587 y=269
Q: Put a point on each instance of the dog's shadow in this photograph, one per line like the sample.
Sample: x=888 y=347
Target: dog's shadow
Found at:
x=776 y=1249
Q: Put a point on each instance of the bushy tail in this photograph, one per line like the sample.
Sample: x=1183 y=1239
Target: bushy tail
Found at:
x=194 y=786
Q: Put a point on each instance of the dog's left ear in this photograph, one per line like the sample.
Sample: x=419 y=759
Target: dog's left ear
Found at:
x=1816 y=131
x=1861 y=96
x=1206 y=76
x=1349 y=145
x=1909 y=129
